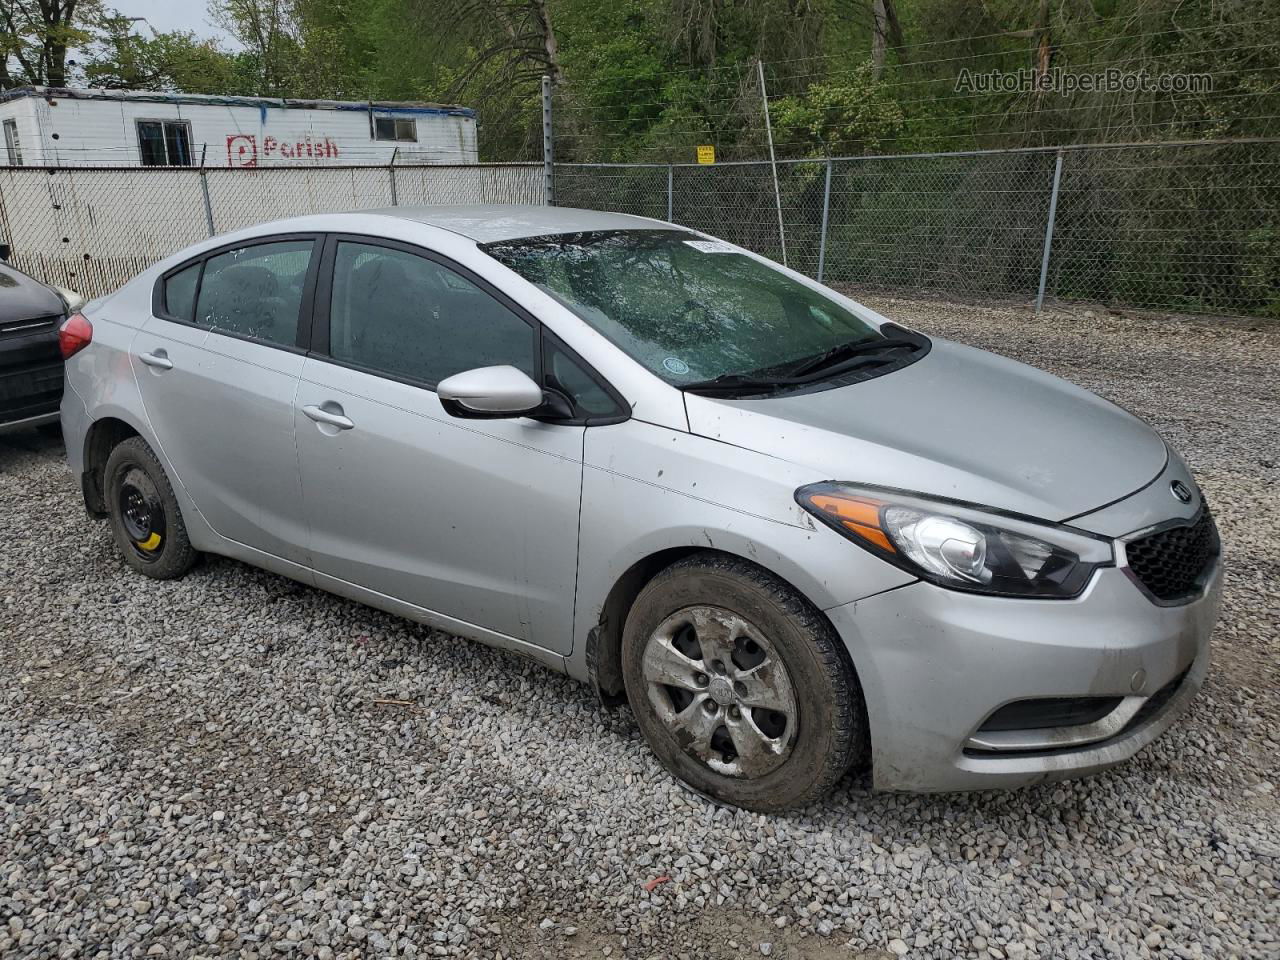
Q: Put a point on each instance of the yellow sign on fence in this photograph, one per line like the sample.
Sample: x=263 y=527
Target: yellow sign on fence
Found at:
x=707 y=154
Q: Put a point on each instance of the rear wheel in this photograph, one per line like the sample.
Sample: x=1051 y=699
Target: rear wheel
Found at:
x=145 y=519
x=740 y=686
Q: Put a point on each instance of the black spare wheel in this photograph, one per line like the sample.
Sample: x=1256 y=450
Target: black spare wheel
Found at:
x=145 y=519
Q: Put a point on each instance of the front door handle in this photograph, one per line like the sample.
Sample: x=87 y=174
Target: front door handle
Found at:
x=320 y=415
x=158 y=359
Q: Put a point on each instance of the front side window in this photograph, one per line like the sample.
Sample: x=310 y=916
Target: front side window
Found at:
x=164 y=143
x=12 y=146
x=395 y=128
x=688 y=309
x=256 y=291
x=408 y=316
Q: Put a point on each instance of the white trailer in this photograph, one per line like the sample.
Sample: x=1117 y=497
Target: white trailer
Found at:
x=51 y=126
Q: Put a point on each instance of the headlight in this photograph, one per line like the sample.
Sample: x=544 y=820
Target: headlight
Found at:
x=959 y=545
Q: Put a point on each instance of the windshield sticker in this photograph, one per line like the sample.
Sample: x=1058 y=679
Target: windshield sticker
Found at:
x=712 y=246
x=676 y=365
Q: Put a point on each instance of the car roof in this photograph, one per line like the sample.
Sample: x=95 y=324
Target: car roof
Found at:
x=486 y=223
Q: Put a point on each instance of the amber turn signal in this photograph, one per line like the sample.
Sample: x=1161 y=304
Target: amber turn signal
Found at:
x=859 y=515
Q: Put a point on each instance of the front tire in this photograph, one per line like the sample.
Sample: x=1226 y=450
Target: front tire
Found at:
x=740 y=686
x=145 y=519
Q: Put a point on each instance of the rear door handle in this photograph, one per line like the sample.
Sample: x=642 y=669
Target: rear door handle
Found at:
x=159 y=359
x=320 y=415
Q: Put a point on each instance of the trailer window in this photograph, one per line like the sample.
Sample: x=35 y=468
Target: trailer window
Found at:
x=164 y=143
x=11 y=144
x=395 y=128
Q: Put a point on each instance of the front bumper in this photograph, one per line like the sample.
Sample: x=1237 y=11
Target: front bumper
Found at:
x=30 y=379
x=935 y=663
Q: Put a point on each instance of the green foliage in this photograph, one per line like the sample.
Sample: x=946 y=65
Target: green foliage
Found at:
x=850 y=115
x=177 y=61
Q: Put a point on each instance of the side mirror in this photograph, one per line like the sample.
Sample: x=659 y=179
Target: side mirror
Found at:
x=489 y=393
x=5 y=251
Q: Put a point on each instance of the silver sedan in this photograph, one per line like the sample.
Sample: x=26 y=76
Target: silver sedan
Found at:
x=792 y=535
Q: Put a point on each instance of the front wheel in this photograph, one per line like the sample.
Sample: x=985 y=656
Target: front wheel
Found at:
x=740 y=686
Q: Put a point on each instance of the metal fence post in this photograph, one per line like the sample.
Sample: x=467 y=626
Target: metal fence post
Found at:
x=204 y=190
x=826 y=208
x=773 y=160
x=1048 y=231
x=391 y=177
x=670 y=190
x=548 y=147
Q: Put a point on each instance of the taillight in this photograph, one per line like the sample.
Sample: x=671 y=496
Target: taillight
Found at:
x=74 y=335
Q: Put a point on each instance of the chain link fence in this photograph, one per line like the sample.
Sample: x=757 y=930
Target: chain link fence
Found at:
x=91 y=229
x=1189 y=227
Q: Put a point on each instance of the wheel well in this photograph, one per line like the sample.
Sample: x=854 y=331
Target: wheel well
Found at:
x=604 y=643
x=103 y=437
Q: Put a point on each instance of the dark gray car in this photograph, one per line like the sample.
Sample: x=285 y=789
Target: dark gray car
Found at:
x=30 y=361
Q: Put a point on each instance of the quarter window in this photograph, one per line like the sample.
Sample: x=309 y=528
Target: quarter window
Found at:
x=408 y=316
x=164 y=143
x=256 y=291
x=180 y=293
x=589 y=397
x=401 y=129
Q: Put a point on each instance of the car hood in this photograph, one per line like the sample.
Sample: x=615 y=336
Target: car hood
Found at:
x=22 y=298
x=959 y=423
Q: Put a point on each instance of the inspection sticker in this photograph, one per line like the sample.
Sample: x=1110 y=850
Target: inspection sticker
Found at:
x=712 y=246
x=676 y=366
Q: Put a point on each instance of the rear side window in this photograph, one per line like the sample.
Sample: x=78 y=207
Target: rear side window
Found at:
x=256 y=291
x=180 y=293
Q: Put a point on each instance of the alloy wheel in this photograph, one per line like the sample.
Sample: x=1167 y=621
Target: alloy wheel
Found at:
x=722 y=691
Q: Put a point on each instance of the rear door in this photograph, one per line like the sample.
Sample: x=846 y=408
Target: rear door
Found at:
x=218 y=365
x=473 y=519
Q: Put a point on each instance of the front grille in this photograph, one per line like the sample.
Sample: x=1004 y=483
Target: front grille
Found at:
x=24 y=328
x=30 y=392
x=1173 y=563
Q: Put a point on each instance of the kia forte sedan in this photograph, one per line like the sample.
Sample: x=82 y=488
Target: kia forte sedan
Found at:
x=792 y=535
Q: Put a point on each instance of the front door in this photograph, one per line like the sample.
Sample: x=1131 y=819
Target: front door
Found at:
x=218 y=366
x=473 y=519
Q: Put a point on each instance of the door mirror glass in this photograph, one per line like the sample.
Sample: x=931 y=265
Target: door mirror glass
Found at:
x=489 y=392
x=5 y=251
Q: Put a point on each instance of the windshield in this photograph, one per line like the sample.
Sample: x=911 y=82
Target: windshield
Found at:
x=689 y=309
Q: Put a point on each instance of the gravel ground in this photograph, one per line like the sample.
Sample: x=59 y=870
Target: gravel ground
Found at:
x=235 y=764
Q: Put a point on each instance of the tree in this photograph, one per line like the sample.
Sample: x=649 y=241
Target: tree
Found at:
x=886 y=31
x=36 y=36
x=269 y=31
x=177 y=61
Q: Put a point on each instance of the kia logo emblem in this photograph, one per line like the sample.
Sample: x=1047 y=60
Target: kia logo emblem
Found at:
x=1181 y=491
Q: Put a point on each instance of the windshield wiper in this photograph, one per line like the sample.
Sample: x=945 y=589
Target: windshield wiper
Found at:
x=736 y=383
x=844 y=351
